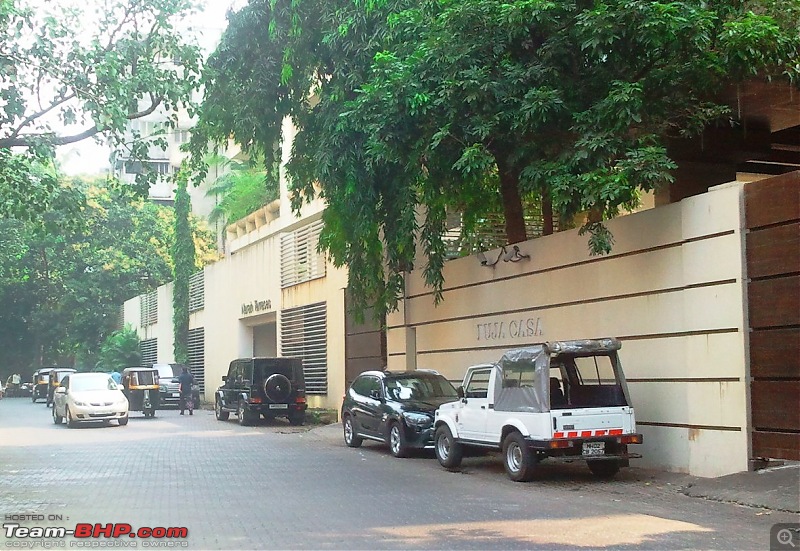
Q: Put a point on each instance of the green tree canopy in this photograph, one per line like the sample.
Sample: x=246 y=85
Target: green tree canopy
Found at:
x=241 y=190
x=78 y=70
x=119 y=350
x=418 y=107
x=60 y=292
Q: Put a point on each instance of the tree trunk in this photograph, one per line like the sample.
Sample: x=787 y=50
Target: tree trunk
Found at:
x=512 y=204
x=547 y=214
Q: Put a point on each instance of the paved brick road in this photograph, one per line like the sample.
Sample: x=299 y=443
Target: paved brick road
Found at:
x=280 y=487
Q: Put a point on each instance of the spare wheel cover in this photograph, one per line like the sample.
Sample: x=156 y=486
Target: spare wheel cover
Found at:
x=277 y=387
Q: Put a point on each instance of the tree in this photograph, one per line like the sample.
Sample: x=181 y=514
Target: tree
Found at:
x=241 y=190
x=423 y=106
x=60 y=87
x=60 y=291
x=183 y=255
x=120 y=350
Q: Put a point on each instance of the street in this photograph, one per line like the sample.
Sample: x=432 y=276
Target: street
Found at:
x=273 y=486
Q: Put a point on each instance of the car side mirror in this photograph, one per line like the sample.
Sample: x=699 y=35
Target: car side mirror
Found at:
x=460 y=391
x=61 y=390
x=224 y=378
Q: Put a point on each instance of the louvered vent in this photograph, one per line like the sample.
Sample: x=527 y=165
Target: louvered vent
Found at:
x=300 y=260
x=304 y=335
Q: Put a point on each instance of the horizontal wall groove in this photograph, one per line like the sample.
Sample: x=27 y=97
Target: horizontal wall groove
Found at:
x=581 y=263
x=774 y=225
x=782 y=431
x=685 y=380
x=774 y=276
x=689 y=426
x=598 y=300
x=531 y=343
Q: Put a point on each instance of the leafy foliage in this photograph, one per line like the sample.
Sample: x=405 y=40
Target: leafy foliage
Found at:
x=60 y=292
x=60 y=88
x=119 y=350
x=183 y=254
x=242 y=190
x=421 y=107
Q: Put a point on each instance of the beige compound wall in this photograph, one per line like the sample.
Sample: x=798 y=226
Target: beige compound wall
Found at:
x=671 y=290
x=250 y=273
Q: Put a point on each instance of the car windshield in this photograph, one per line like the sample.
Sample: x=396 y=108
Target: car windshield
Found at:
x=165 y=372
x=415 y=387
x=92 y=382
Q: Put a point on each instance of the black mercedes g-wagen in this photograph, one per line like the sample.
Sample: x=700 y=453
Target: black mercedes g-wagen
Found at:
x=271 y=387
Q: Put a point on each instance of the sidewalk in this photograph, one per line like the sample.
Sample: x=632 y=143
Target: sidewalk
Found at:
x=775 y=488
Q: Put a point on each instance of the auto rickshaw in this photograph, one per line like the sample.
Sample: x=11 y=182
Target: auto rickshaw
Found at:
x=54 y=377
x=40 y=383
x=140 y=385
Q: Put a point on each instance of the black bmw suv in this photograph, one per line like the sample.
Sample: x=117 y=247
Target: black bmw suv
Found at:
x=272 y=387
x=394 y=407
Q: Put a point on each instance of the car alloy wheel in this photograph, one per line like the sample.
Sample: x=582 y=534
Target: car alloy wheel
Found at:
x=351 y=439
x=397 y=443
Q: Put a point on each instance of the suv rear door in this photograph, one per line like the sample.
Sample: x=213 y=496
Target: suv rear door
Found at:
x=595 y=398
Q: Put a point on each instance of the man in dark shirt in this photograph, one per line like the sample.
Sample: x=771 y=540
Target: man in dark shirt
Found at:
x=186 y=381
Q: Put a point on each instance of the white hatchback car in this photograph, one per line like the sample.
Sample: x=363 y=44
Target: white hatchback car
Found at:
x=84 y=397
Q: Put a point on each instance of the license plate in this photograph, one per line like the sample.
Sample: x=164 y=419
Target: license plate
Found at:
x=594 y=448
x=176 y=394
x=278 y=406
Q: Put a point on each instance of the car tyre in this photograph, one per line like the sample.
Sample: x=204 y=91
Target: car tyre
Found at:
x=351 y=439
x=277 y=387
x=603 y=468
x=123 y=421
x=57 y=419
x=448 y=451
x=297 y=418
x=519 y=460
x=71 y=423
x=218 y=411
x=397 y=440
x=245 y=419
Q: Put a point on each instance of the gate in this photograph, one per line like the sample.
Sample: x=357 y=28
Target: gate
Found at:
x=772 y=219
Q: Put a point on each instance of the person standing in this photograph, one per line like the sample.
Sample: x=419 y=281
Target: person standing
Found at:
x=186 y=381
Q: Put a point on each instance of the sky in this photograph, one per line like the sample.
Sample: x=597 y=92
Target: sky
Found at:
x=90 y=157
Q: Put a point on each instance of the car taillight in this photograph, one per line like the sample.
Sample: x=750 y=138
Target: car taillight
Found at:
x=557 y=444
x=630 y=439
x=300 y=400
x=255 y=400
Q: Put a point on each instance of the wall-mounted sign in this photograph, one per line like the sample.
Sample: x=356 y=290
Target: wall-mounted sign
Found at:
x=509 y=327
x=255 y=307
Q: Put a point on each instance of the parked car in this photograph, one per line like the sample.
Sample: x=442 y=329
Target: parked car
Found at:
x=396 y=408
x=40 y=383
x=168 y=387
x=85 y=397
x=55 y=377
x=272 y=387
x=140 y=385
x=562 y=400
x=24 y=389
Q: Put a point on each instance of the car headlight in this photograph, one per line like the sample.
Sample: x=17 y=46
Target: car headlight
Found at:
x=81 y=404
x=418 y=419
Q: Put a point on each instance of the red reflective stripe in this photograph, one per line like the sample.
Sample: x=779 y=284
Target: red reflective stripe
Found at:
x=586 y=434
x=572 y=434
x=601 y=432
x=558 y=435
x=615 y=432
